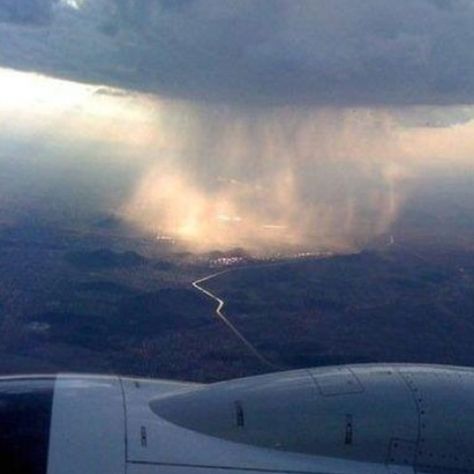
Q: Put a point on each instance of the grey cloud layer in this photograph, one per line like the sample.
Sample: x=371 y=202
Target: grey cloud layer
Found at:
x=335 y=52
x=36 y=12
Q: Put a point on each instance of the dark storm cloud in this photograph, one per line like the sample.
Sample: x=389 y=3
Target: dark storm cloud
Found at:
x=336 y=52
x=26 y=11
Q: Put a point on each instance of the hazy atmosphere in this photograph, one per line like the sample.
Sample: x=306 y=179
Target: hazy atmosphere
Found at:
x=195 y=131
x=234 y=132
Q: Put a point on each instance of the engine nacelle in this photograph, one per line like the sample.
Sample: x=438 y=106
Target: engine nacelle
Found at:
x=367 y=418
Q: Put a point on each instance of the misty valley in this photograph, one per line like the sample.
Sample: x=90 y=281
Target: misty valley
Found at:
x=100 y=297
x=207 y=189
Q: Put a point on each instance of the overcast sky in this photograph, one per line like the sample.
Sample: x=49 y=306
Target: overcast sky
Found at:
x=333 y=52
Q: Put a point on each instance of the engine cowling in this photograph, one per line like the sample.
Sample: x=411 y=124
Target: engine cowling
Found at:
x=374 y=419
